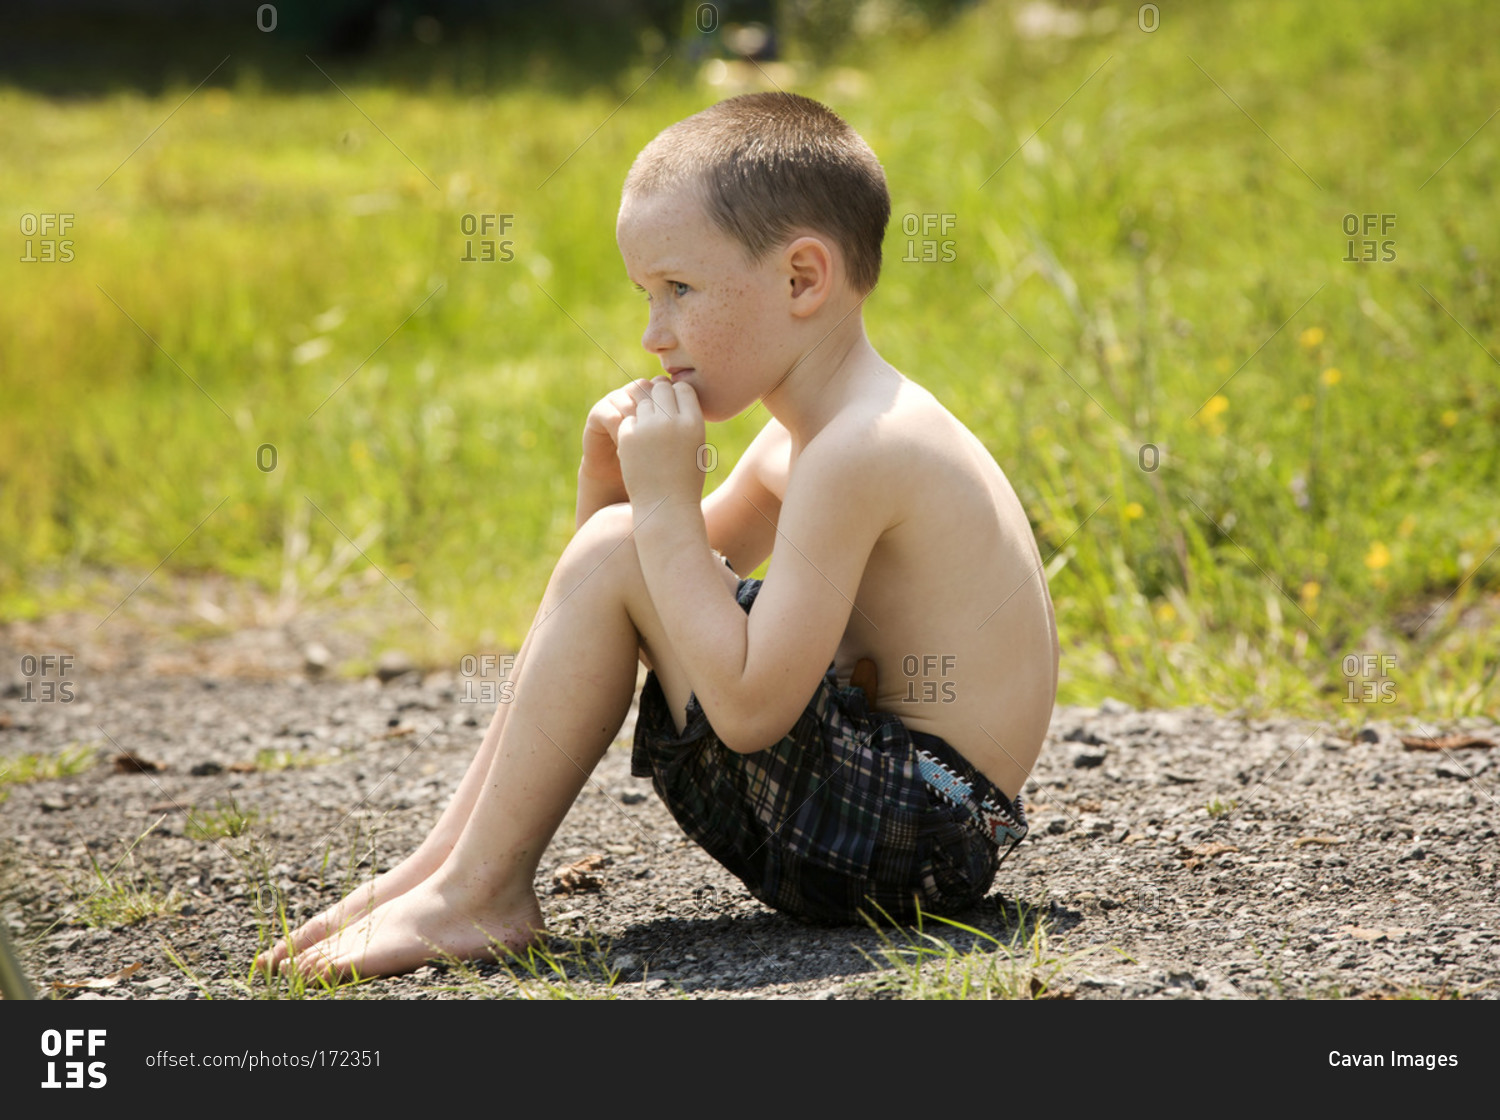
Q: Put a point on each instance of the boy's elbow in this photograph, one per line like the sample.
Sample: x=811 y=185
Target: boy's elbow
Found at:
x=748 y=745
x=749 y=731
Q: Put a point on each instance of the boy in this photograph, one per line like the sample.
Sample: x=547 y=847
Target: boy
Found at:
x=903 y=560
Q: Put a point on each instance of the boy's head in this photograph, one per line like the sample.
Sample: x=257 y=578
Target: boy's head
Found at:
x=766 y=165
x=734 y=223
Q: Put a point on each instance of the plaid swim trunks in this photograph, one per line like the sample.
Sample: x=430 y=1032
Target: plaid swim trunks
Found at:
x=850 y=811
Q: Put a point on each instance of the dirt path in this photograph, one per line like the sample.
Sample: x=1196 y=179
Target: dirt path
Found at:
x=1174 y=854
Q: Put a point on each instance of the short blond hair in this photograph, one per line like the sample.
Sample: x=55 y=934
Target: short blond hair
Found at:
x=766 y=164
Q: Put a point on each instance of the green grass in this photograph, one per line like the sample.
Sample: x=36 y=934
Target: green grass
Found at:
x=1158 y=215
x=266 y=905
x=923 y=963
x=271 y=759
x=1418 y=992
x=39 y=766
x=256 y=984
x=121 y=894
x=225 y=819
x=561 y=967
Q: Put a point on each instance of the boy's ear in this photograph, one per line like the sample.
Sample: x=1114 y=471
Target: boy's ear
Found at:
x=809 y=266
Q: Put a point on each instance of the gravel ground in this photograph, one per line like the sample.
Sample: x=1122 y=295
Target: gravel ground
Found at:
x=1174 y=854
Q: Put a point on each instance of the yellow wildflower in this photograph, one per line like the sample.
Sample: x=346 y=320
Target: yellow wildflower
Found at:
x=1309 y=596
x=1311 y=337
x=1378 y=556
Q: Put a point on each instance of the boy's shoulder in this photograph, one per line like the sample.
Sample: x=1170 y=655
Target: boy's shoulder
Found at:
x=894 y=457
x=906 y=471
x=887 y=441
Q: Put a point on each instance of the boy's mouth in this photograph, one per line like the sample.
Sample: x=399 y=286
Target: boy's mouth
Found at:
x=676 y=372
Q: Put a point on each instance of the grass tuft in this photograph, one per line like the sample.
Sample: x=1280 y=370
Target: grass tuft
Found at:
x=1218 y=808
x=124 y=894
x=226 y=819
x=927 y=965
x=559 y=967
x=38 y=766
x=270 y=759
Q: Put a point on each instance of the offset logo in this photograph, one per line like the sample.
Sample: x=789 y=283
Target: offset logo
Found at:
x=46 y=238
x=73 y=1045
x=1369 y=234
x=477 y=688
x=490 y=228
x=47 y=678
x=927 y=237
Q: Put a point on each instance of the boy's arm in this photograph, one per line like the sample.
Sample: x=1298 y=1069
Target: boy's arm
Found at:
x=753 y=674
x=741 y=513
x=593 y=495
x=734 y=526
x=600 y=483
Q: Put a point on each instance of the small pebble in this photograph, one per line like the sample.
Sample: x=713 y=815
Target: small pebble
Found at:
x=316 y=658
x=393 y=664
x=1089 y=757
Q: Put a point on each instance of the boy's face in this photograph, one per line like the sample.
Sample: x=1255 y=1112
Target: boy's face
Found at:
x=713 y=313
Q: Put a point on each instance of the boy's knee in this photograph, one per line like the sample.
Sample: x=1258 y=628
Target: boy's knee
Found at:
x=608 y=525
x=605 y=537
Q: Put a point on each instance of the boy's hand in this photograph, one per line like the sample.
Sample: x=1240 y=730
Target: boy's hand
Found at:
x=601 y=431
x=659 y=444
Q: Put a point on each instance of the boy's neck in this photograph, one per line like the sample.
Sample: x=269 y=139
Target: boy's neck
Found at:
x=822 y=381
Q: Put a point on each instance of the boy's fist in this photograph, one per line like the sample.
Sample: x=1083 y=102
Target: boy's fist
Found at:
x=601 y=431
x=658 y=444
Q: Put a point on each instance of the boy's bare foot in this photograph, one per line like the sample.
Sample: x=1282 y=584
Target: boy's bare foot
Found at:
x=429 y=922
x=353 y=907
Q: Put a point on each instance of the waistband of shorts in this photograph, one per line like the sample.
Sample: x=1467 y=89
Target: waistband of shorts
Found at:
x=957 y=780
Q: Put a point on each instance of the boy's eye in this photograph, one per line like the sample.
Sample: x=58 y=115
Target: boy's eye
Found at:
x=679 y=289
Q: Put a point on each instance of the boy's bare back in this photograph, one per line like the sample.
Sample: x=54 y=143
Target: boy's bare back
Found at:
x=951 y=605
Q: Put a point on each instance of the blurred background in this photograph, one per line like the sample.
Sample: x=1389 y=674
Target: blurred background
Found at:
x=304 y=305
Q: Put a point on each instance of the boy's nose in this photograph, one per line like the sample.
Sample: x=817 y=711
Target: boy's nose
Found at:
x=657 y=338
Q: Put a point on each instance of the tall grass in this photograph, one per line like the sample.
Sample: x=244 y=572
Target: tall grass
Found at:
x=1147 y=249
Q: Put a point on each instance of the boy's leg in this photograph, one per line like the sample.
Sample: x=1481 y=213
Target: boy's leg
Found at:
x=426 y=859
x=572 y=692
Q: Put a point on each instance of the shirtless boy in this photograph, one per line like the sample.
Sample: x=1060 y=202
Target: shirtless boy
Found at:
x=860 y=738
